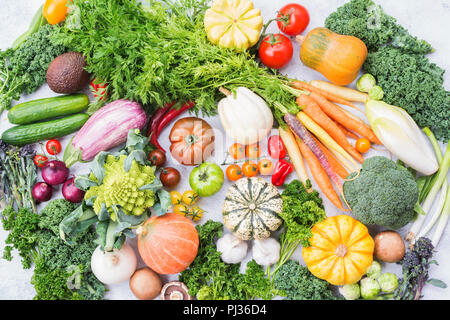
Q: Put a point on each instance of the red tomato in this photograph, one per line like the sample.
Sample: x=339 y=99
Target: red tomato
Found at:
x=293 y=19
x=276 y=51
x=276 y=147
x=53 y=147
x=39 y=160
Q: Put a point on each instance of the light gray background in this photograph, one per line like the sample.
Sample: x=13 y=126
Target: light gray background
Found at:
x=427 y=19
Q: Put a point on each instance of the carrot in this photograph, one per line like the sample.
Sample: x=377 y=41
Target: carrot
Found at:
x=342 y=116
x=346 y=93
x=319 y=174
x=326 y=94
x=294 y=153
x=334 y=163
x=312 y=109
x=328 y=141
x=348 y=133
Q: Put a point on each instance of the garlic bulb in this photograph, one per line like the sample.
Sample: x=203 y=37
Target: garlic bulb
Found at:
x=232 y=248
x=266 y=252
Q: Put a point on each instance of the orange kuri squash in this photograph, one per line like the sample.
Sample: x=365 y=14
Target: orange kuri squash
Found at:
x=168 y=244
x=338 y=57
x=341 y=250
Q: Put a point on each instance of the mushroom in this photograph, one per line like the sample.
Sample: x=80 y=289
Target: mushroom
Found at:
x=175 y=290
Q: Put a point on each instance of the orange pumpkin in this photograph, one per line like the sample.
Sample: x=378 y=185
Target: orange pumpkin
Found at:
x=168 y=244
x=339 y=58
x=341 y=250
x=192 y=141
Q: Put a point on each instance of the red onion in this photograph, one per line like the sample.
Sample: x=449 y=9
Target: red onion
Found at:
x=71 y=192
x=41 y=192
x=55 y=172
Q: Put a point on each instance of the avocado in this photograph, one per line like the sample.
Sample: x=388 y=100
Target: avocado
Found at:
x=66 y=73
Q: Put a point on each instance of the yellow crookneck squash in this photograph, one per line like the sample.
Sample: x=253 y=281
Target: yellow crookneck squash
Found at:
x=339 y=58
x=234 y=24
x=341 y=250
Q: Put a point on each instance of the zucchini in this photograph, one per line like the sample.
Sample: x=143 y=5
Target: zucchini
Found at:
x=35 y=132
x=47 y=108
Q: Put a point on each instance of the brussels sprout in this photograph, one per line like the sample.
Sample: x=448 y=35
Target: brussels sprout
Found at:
x=369 y=288
x=388 y=282
x=350 y=291
x=366 y=82
x=374 y=271
x=376 y=93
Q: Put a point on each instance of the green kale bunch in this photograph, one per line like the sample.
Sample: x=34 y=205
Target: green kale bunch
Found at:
x=384 y=193
x=24 y=69
x=368 y=22
x=296 y=282
x=413 y=83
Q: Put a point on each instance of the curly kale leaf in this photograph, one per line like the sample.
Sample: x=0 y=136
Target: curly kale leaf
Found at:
x=23 y=227
x=368 y=22
x=298 y=283
x=53 y=213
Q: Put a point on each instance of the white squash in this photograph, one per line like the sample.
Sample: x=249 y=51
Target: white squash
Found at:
x=245 y=116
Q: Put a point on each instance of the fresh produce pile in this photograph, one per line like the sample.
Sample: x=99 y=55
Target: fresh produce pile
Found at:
x=147 y=64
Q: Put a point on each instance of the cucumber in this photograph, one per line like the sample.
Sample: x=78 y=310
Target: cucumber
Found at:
x=35 y=132
x=47 y=108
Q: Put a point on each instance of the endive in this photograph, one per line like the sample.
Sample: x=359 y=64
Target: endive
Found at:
x=400 y=135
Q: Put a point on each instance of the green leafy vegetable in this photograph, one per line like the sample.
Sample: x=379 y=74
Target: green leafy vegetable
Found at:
x=22 y=226
x=208 y=277
x=298 y=283
x=23 y=70
x=158 y=52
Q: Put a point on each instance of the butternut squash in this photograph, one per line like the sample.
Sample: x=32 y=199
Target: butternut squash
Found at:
x=339 y=58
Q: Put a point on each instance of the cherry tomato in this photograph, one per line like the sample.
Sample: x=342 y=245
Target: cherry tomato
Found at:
x=250 y=169
x=55 y=11
x=276 y=51
x=196 y=213
x=181 y=209
x=237 y=151
x=265 y=167
x=157 y=157
x=252 y=151
x=170 y=177
x=234 y=172
x=190 y=197
x=292 y=19
x=175 y=197
x=53 y=147
x=362 y=145
x=276 y=147
x=39 y=160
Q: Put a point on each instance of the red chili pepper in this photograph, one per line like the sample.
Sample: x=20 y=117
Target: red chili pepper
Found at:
x=157 y=117
x=99 y=89
x=276 y=147
x=281 y=171
x=172 y=114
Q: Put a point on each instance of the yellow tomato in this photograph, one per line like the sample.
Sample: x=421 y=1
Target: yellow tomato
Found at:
x=181 y=209
x=176 y=197
x=196 y=213
x=55 y=11
x=190 y=197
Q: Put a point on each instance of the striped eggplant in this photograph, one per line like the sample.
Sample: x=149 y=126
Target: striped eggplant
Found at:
x=106 y=128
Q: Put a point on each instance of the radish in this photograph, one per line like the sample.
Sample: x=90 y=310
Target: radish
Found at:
x=55 y=172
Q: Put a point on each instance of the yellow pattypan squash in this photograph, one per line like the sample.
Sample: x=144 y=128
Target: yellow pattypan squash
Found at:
x=341 y=250
x=234 y=24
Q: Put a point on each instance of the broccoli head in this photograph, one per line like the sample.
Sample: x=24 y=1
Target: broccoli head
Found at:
x=384 y=193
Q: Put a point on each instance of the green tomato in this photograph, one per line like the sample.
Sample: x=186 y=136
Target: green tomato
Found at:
x=388 y=282
x=206 y=179
x=369 y=288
